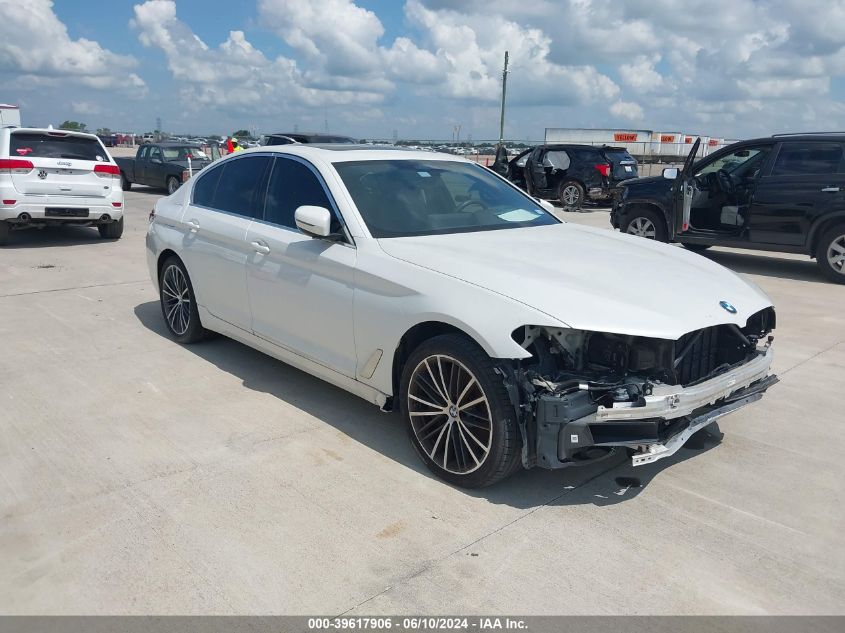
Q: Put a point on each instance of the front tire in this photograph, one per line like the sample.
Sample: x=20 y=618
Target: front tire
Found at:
x=4 y=233
x=178 y=303
x=124 y=182
x=458 y=414
x=112 y=230
x=830 y=254
x=571 y=195
x=646 y=223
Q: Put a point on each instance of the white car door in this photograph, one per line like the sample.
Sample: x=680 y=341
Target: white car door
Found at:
x=224 y=201
x=301 y=288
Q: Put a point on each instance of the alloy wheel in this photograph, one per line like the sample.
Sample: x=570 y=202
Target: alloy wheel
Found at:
x=836 y=254
x=642 y=227
x=172 y=186
x=570 y=195
x=177 y=299
x=450 y=414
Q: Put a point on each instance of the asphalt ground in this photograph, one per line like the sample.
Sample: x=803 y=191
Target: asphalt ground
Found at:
x=139 y=476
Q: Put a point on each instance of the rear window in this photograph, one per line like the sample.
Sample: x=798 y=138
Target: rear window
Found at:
x=620 y=157
x=35 y=145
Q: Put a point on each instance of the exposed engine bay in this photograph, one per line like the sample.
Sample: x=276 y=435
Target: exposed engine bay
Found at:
x=584 y=394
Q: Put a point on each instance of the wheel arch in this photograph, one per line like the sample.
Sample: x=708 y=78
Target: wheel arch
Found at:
x=166 y=254
x=649 y=205
x=822 y=226
x=412 y=339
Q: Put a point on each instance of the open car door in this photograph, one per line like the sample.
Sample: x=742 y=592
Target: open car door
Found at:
x=683 y=193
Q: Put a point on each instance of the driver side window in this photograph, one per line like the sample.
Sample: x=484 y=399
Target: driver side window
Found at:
x=743 y=161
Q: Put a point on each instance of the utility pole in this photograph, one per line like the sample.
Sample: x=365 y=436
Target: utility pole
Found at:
x=504 y=92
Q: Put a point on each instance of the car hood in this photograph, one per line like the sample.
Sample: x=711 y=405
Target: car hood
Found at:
x=648 y=180
x=590 y=279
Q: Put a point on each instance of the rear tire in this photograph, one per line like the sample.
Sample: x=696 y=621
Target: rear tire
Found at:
x=458 y=415
x=4 y=233
x=112 y=230
x=646 y=223
x=171 y=185
x=124 y=182
x=571 y=195
x=178 y=303
x=830 y=254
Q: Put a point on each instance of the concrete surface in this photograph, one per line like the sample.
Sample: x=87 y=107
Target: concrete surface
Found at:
x=139 y=476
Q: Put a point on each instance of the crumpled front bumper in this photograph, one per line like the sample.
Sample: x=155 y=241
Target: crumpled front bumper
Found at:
x=570 y=430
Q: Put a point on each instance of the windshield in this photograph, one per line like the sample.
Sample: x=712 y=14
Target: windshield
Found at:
x=182 y=153
x=731 y=162
x=55 y=145
x=400 y=198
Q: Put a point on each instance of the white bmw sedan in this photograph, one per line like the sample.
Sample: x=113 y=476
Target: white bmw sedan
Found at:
x=427 y=284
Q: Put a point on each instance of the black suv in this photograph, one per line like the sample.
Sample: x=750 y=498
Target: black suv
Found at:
x=570 y=173
x=285 y=138
x=784 y=193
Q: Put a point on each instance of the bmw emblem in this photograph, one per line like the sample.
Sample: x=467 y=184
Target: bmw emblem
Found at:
x=42 y=174
x=727 y=306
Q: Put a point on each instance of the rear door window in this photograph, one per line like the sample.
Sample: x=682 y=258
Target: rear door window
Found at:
x=206 y=186
x=241 y=186
x=43 y=145
x=808 y=159
x=556 y=159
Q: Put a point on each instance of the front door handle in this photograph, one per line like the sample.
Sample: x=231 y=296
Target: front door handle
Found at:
x=830 y=189
x=260 y=247
x=195 y=226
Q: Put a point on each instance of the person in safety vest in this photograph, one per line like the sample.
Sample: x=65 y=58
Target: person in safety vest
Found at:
x=233 y=145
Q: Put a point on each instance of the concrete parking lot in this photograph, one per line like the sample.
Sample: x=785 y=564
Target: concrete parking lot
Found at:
x=139 y=476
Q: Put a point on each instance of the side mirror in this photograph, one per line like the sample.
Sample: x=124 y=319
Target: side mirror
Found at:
x=670 y=173
x=548 y=206
x=314 y=221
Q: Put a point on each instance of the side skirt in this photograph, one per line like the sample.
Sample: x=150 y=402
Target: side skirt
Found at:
x=293 y=359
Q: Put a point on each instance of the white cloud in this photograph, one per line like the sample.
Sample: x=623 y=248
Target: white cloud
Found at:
x=34 y=43
x=234 y=76
x=627 y=110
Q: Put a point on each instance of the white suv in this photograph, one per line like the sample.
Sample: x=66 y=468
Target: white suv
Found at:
x=54 y=177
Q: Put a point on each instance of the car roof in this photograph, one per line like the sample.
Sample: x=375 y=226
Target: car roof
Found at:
x=177 y=144
x=316 y=135
x=336 y=152
x=39 y=130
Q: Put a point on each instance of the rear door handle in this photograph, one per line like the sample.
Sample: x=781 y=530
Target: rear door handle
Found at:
x=830 y=189
x=195 y=226
x=260 y=247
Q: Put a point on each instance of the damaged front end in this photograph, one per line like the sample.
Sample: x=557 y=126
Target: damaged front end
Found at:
x=583 y=395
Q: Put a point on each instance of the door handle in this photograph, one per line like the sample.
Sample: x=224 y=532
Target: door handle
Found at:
x=830 y=189
x=260 y=247
x=195 y=226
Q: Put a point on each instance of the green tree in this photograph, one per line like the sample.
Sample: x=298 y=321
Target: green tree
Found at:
x=74 y=126
x=103 y=131
x=241 y=133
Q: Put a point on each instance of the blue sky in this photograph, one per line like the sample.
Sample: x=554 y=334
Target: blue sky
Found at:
x=423 y=66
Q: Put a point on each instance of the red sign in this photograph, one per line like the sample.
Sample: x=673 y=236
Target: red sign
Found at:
x=687 y=139
x=667 y=138
x=624 y=137
x=713 y=142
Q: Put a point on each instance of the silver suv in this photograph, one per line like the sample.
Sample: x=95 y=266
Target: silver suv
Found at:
x=56 y=177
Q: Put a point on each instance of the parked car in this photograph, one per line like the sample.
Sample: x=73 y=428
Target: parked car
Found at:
x=286 y=138
x=52 y=177
x=429 y=285
x=571 y=174
x=162 y=165
x=782 y=193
